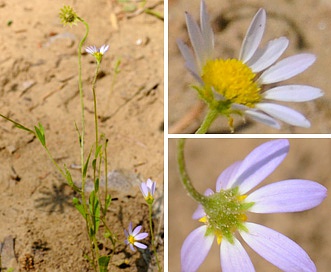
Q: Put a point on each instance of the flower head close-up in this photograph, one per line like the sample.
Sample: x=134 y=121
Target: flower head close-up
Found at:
x=132 y=237
x=148 y=189
x=97 y=52
x=239 y=86
x=68 y=16
x=224 y=214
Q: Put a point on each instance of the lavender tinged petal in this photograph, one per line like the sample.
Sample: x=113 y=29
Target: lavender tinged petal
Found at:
x=262 y=118
x=284 y=114
x=226 y=176
x=141 y=236
x=293 y=93
x=196 y=39
x=136 y=230
x=195 y=249
x=206 y=30
x=234 y=257
x=260 y=163
x=287 y=196
x=130 y=228
x=132 y=247
x=189 y=60
x=140 y=245
x=253 y=36
x=287 y=68
x=267 y=56
x=277 y=249
x=144 y=189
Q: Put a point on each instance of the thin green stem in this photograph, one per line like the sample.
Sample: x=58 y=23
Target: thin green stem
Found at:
x=184 y=176
x=106 y=177
x=95 y=105
x=93 y=243
x=150 y=206
x=209 y=119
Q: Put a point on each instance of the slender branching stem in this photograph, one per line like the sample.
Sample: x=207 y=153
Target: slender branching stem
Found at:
x=183 y=174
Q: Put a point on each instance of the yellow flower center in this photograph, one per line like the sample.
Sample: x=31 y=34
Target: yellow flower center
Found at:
x=131 y=239
x=232 y=79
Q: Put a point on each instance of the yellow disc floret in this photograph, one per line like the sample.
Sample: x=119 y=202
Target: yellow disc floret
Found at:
x=232 y=79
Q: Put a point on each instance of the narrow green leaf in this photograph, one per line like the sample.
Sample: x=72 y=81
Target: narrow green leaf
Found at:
x=40 y=134
x=94 y=164
x=18 y=125
x=79 y=206
x=103 y=263
x=86 y=165
x=69 y=179
x=97 y=151
x=108 y=201
x=96 y=185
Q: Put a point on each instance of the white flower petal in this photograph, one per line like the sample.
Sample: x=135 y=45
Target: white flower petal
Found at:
x=258 y=164
x=206 y=30
x=284 y=114
x=293 y=93
x=195 y=249
x=277 y=249
x=253 y=36
x=91 y=49
x=189 y=60
x=196 y=39
x=234 y=257
x=287 y=196
x=104 y=49
x=267 y=56
x=226 y=176
x=262 y=118
x=287 y=68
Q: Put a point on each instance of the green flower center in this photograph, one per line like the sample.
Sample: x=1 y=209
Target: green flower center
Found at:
x=225 y=214
x=233 y=79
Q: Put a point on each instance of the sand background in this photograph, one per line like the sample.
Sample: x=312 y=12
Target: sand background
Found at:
x=306 y=23
x=207 y=158
x=38 y=76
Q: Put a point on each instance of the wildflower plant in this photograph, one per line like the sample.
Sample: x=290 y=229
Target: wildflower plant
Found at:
x=239 y=86
x=93 y=206
x=148 y=189
x=224 y=213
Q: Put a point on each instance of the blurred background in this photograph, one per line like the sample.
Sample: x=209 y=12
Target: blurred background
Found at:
x=207 y=158
x=306 y=23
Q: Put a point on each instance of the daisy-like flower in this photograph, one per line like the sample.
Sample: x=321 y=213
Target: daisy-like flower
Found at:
x=133 y=236
x=148 y=189
x=237 y=86
x=224 y=213
x=97 y=52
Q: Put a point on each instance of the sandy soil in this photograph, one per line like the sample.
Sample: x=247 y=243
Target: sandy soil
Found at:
x=38 y=75
x=306 y=23
x=207 y=158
